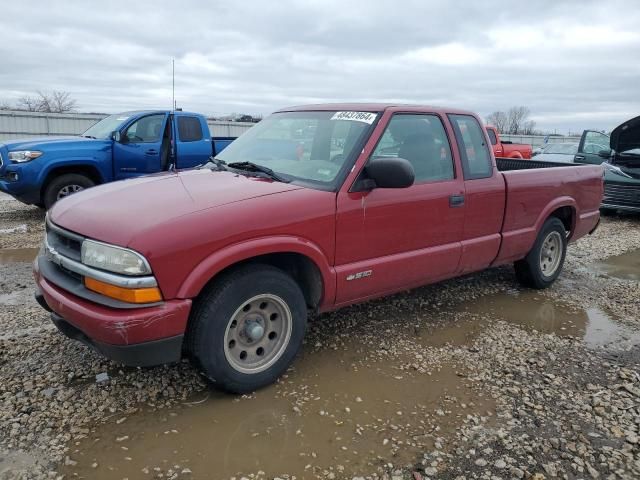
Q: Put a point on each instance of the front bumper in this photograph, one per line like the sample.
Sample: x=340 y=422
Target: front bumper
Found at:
x=139 y=337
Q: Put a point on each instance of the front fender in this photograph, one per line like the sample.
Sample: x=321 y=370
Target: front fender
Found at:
x=238 y=252
x=60 y=163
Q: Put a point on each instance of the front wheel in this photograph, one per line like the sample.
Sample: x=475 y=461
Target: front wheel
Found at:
x=63 y=186
x=542 y=265
x=247 y=328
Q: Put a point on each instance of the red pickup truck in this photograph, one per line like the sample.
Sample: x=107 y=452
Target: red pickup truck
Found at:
x=314 y=208
x=508 y=149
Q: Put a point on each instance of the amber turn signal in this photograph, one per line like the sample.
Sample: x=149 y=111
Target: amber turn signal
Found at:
x=129 y=295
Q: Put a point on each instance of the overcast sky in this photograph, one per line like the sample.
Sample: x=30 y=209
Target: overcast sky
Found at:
x=574 y=64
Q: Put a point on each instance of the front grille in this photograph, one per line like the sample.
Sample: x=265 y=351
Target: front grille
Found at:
x=66 y=243
x=621 y=194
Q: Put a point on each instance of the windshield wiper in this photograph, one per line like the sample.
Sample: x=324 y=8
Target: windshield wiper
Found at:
x=254 y=167
x=220 y=165
x=88 y=136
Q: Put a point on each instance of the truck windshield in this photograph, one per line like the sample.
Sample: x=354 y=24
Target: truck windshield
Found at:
x=309 y=147
x=106 y=126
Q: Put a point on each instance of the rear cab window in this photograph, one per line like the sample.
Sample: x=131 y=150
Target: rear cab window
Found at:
x=474 y=151
x=189 y=129
x=492 y=136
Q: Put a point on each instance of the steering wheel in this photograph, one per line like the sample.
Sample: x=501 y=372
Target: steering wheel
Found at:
x=135 y=137
x=338 y=158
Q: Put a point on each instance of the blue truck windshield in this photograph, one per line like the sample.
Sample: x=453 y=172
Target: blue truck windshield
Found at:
x=106 y=126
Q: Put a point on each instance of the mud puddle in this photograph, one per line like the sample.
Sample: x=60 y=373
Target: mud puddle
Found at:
x=332 y=412
x=18 y=255
x=533 y=311
x=625 y=266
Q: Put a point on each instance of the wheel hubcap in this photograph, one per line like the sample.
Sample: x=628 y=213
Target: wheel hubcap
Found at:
x=258 y=333
x=69 y=190
x=551 y=254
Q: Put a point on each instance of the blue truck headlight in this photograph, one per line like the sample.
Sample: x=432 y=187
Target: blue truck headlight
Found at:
x=21 y=156
x=114 y=259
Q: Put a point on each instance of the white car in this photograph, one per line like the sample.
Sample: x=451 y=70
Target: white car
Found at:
x=558 y=152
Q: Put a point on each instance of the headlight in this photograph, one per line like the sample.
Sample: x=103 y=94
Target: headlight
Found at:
x=21 y=156
x=114 y=259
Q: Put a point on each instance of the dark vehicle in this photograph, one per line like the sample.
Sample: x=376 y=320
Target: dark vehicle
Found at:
x=621 y=152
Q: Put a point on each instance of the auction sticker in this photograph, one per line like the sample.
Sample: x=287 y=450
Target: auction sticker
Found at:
x=366 y=117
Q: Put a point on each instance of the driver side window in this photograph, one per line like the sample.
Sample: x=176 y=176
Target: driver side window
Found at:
x=146 y=129
x=594 y=142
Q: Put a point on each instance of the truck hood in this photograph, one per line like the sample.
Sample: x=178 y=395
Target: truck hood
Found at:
x=117 y=212
x=626 y=136
x=40 y=143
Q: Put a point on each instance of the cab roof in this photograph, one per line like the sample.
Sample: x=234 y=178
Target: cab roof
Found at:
x=375 y=107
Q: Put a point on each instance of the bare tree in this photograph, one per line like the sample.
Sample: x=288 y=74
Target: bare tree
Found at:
x=55 y=102
x=4 y=105
x=499 y=120
x=516 y=117
x=60 y=102
x=529 y=127
x=28 y=103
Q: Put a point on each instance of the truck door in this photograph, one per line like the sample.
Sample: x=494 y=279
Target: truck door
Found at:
x=484 y=195
x=140 y=148
x=591 y=143
x=389 y=239
x=193 y=145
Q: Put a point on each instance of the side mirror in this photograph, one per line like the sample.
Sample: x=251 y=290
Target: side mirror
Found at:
x=115 y=136
x=605 y=153
x=388 y=172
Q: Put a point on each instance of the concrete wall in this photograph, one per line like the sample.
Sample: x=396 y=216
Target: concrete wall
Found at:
x=538 y=140
x=15 y=124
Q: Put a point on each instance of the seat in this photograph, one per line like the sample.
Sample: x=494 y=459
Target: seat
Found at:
x=422 y=152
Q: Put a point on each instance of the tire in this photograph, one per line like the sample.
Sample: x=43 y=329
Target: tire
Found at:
x=72 y=182
x=538 y=271
x=225 y=317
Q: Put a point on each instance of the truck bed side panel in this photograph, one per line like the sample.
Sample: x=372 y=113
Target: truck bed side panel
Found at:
x=533 y=195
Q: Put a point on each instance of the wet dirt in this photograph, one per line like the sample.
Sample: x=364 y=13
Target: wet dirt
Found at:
x=330 y=410
x=17 y=255
x=333 y=408
x=624 y=267
x=532 y=310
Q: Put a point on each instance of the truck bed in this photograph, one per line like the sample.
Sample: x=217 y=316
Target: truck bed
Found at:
x=533 y=192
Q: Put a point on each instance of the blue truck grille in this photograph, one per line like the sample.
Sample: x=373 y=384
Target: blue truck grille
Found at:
x=621 y=194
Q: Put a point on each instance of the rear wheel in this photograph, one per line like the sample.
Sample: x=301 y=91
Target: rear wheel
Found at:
x=542 y=265
x=65 y=185
x=247 y=328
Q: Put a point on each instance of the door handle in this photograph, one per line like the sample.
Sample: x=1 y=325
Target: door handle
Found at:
x=151 y=151
x=456 y=200
x=578 y=158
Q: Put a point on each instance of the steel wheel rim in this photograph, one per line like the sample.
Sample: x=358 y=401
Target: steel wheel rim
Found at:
x=257 y=333
x=69 y=190
x=551 y=254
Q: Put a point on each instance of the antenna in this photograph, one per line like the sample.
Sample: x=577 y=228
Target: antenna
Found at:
x=173 y=83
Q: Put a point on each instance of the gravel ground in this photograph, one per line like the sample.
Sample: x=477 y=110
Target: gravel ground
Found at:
x=543 y=404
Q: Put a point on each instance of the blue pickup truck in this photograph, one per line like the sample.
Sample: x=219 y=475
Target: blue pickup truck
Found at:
x=39 y=171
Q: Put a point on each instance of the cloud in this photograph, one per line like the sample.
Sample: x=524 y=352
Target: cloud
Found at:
x=572 y=63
